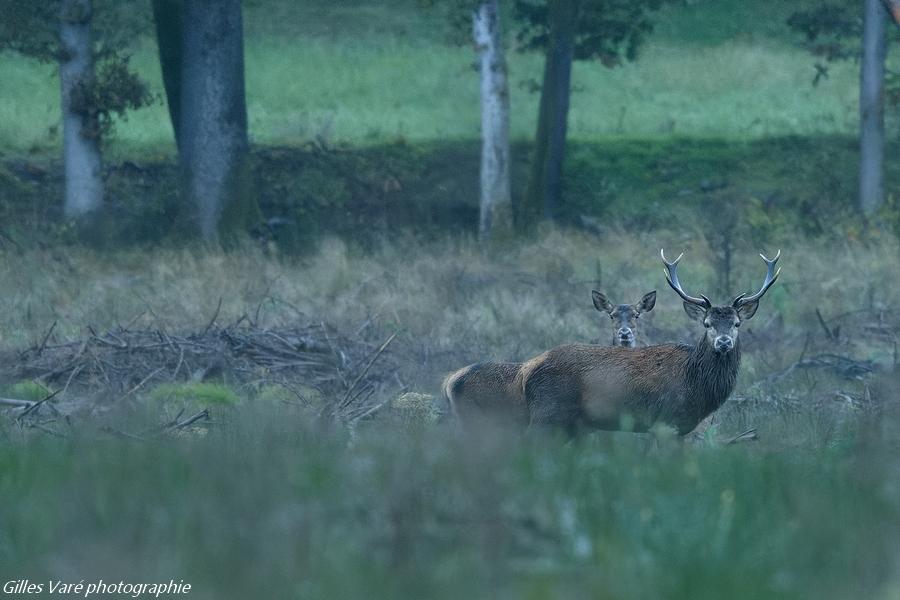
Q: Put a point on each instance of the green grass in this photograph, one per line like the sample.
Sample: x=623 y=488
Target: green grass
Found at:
x=204 y=394
x=314 y=72
x=432 y=516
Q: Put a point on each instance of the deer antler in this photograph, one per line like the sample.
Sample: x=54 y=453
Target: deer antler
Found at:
x=672 y=279
x=771 y=276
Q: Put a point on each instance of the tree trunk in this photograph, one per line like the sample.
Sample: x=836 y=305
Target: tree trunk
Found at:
x=213 y=120
x=167 y=18
x=81 y=135
x=871 y=108
x=496 y=201
x=545 y=182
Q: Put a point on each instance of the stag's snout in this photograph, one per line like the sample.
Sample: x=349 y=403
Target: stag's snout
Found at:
x=724 y=344
x=625 y=336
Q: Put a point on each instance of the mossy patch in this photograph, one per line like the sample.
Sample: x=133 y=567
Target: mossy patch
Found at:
x=204 y=394
x=28 y=390
x=414 y=411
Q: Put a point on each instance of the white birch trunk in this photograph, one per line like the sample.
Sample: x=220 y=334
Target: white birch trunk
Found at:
x=81 y=143
x=496 y=201
x=871 y=108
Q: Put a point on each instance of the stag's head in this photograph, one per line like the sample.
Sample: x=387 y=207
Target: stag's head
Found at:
x=721 y=322
x=624 y=316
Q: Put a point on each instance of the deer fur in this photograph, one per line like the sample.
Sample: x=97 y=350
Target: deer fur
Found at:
x=493 y=391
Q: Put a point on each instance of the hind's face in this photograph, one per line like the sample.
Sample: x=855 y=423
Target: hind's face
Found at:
x=624 y=316
x=624 y=321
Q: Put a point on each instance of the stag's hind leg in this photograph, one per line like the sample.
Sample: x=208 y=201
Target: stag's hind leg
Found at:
x=553 y=401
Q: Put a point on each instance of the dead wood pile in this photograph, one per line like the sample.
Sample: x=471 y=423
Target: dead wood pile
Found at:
x=120 y=362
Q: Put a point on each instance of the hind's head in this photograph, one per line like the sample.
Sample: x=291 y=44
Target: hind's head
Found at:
x=624 y=316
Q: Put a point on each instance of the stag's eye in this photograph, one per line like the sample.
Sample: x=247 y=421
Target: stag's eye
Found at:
x=706 y=324
x=738 y=324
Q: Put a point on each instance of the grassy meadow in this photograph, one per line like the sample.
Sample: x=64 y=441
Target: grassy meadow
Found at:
x=364 y=121
x=703 y=74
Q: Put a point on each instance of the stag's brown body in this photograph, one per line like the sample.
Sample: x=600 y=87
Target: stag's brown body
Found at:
x=627 y=388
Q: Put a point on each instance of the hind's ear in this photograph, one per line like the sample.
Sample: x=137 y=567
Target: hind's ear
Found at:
x=601 y=302
x=647 y=302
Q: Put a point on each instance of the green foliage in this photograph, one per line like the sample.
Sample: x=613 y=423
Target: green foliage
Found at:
x=114 y=91
x=202 y=393
x=31 y=29
x=833 y=32
x=28 y=390
x=608 y=30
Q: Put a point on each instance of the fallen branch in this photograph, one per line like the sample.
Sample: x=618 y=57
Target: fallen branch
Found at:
x=747 y=436
x=203 y=414
x=346 y=399
x=16 y=403
x=36 y=405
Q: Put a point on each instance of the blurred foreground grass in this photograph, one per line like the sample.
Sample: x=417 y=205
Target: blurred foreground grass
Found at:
x=265 y=506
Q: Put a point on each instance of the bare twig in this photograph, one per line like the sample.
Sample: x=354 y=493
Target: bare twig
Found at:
x=346 y=399
x=828 y=332
x=35 y=406
x=746 y=436
x=142 y=382
x=215 y=316
x=46 y=337
x=203 y=414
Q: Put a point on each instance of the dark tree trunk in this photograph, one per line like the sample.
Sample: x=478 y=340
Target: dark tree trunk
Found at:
x=544 y=191
x=167 y=17
x=871 y=108
x=81 y=134
x=213 y=120
x=496 y=202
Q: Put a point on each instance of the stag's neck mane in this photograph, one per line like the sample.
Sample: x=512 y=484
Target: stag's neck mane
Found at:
x=710 y=378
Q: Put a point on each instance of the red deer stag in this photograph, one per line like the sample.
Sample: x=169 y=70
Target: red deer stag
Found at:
x=616 y=389
x=493 y=390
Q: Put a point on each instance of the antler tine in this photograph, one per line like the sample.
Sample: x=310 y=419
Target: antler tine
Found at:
x=672 y=280
x=771 y=275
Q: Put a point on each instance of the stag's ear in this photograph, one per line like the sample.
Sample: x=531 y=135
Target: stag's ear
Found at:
x=647 y=302
x=697 y=313
x=748 y=310
x=601 y=302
